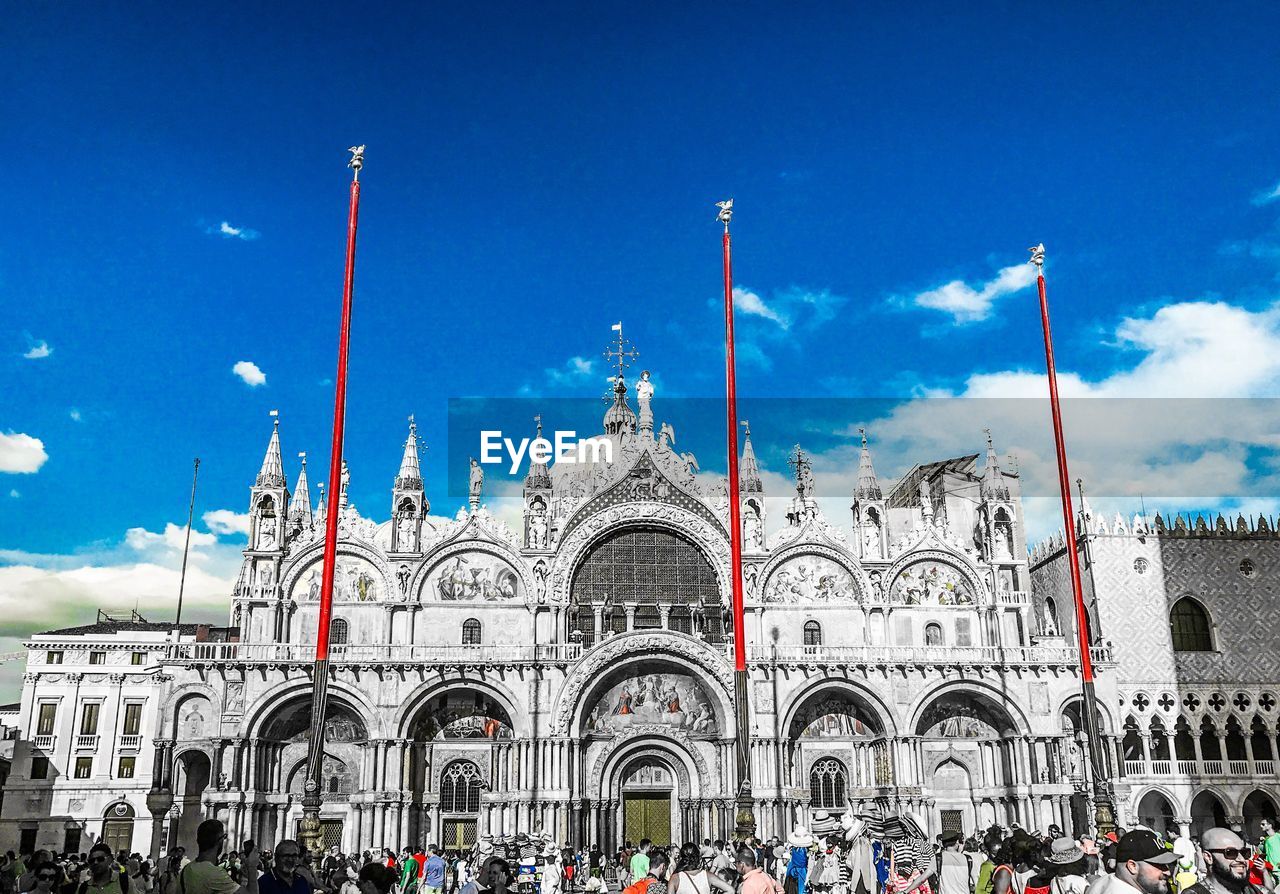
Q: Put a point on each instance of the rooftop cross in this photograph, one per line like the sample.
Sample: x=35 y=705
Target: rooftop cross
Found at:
x=623 y=353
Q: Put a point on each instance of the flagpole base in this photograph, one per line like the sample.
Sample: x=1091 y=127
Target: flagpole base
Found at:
x=310 y=835
x=745 y=815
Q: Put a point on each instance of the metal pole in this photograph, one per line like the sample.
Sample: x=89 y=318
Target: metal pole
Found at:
x=1103 y=802
x=186 y=547
x=312 y=798
x=745 y=820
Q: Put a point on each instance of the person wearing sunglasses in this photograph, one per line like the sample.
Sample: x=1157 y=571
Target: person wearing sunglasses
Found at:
x=47 y=878
x=284 y=876
x=1143 y=862
x=1228 y=864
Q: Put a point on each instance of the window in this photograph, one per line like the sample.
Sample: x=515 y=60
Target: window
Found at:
x=339 y=631
x=53 y=656
x=132 y=718
x=97 y=657
x=647 y=617
x=471 y=632
x=138 y=658
x=1141 y=565
x=933 y=634
x=460 y=788
x=827 y=784
x=125 y=769
x=89 y=718
x=1247 y=567
x=812 y=633
x=47 y=718
x=84 y=767
x=39 y=767
x=1189 y=624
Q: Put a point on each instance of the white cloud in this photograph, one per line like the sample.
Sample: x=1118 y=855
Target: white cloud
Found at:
x=225 y=521
x=1263 y=198
x=13 y=492
x=967 y=304
x=749 y=302
x=21 y=454
x=248 y=371
x=574 y=373
x=75 y=415
x=227 y=231
x=38 y=350
x=172 y=539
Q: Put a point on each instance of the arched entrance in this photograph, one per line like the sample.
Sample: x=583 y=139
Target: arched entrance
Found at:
x=117 y=827
x=192 y=778
x=648 y=800
x=1156 y=813
x=1257 y=807
x=1206 y=813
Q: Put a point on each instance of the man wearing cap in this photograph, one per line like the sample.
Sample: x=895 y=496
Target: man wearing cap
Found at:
x=957 y=873
x=1142 y=862
x=1228 y=864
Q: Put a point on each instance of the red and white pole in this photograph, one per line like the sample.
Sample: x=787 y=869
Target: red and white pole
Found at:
x=1104 y=806
x=312 y=797
x=745 y=803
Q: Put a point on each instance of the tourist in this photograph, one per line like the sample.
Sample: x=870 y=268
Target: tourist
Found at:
x=638 y=865
x=991 y=841
x=27 y=877
x=692 y=876
x=655 y=868
x=907 y=877
x=1013 y=865
x=47 y=878
x=1227 y=869
x=282 y=875
x=408 y=872
x=377 y=878
x=800 y=840
x=105 y=876
x=433 y=869
x=493 y=876
x=203 y=875
x=957 y=871
x=1270 y=847
x=1142 y=862
x=1066 y=860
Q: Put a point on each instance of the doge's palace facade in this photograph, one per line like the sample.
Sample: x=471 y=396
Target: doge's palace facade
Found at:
x=575 y=674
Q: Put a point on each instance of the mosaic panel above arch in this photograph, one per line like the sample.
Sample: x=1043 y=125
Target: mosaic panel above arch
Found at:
x=809 y=577
x=932 y=582
x=473 y=577
x=293 y=724
x=462 y=714
x=653 y=696
x=355 y=579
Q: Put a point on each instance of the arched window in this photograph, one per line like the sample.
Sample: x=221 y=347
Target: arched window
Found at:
x=339 y=632
x=827 y=782
x=471 y=632
x=812 y=633
x=1189 y=623
x=933 y=634
x=460 y=787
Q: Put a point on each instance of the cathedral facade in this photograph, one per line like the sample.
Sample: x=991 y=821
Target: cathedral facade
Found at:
x=574 y=672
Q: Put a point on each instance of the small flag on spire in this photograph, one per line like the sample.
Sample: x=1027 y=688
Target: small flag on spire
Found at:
x=274 y=413
x=617 y=327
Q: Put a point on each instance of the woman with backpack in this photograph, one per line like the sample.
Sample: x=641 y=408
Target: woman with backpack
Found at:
x=692 y=877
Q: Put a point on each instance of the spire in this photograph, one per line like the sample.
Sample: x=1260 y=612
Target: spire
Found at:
x=410 y=475
x=272 y=472
x=867 y=488
x=749 y=479
x=993 y=486
x=538 y=476
x=300 y=505
x=619 y=417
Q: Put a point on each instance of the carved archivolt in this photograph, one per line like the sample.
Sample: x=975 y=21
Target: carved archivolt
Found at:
x=679 y=745
x=708 y=537
x=618 y=649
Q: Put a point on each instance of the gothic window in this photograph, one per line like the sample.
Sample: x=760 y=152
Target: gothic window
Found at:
x=460 y=787
x=827 y=782
x=471 y=632
x=1189 y=624
x=933 y=634
x=339 y=631
x=645 y=567
x=812 y=633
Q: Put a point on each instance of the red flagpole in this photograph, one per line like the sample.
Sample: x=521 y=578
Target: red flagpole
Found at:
x=745 y=820
x=1103 y=805
x=312 y=797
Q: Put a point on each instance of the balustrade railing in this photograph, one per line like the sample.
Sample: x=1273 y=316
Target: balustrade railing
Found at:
x=1238 y=768
x=45 y=742
x=923 y=654
x=1212 y=768
x=1200 y=768
x=361 y=653
x=131 y=742
x=1264 y=768
x=86 y=742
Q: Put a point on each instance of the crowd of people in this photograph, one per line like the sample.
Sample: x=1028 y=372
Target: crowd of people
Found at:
x=850 y=858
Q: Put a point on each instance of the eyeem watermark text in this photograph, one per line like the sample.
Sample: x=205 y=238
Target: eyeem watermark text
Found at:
x=567 y=448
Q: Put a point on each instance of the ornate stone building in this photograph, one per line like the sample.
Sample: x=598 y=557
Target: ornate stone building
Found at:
x=575 y=674
x=1189 y=605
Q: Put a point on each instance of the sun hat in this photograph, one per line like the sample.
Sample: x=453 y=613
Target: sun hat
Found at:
x=1063 y=851
x=800 y=837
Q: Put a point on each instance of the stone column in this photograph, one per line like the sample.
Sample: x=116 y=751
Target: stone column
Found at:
x=387 y=622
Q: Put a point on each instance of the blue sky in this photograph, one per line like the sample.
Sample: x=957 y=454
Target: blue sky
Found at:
x=176 y=195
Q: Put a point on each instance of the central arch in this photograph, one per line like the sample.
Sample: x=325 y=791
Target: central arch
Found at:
x=657 y=780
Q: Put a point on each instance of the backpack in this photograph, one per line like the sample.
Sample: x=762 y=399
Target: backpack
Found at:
x=968 y=863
